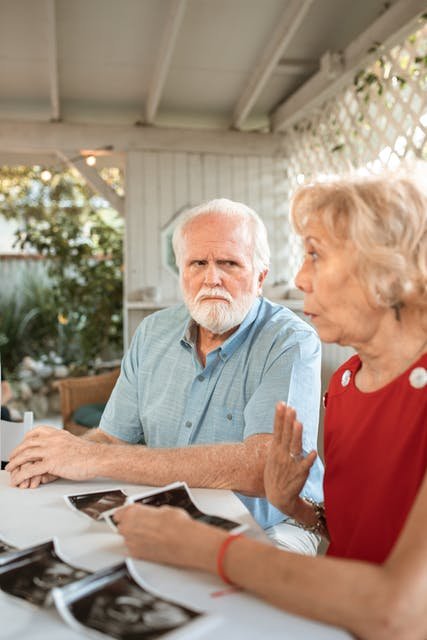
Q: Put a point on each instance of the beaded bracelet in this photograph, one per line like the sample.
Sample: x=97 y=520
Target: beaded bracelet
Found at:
x=320 y=525
x=221 y=555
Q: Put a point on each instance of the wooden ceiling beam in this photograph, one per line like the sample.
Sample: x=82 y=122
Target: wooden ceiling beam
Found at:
x=43 y=136
x=291 y=19
x=94 y=180
x=161 y=68
x=53 y=60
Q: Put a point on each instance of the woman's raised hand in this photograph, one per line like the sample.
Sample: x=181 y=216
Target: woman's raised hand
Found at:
x=287 y=468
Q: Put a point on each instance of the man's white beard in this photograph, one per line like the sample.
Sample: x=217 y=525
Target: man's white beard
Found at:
x=219 y=316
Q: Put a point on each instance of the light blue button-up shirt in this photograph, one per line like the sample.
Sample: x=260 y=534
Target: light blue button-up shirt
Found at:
x=164 y=396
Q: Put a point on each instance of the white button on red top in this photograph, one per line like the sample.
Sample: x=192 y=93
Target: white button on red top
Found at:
x=418 y=378
x=345 y=378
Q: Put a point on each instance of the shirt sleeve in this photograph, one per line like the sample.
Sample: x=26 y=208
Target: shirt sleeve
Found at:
x=293 y=376
x=121 y=416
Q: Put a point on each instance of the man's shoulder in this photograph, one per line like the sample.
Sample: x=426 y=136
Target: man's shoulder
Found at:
x=278 y=319
x=278 y=330
x=169 y=319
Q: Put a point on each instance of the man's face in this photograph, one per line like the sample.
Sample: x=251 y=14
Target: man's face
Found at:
x=218 y=280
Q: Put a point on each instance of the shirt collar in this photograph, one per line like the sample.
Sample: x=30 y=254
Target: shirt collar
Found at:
x=189 y=337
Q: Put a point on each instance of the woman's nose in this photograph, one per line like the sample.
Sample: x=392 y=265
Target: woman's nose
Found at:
x=302 y=279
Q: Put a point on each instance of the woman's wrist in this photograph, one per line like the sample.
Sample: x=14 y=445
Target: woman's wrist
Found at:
x=221 y=556
x=311 y=516
x=205 y=542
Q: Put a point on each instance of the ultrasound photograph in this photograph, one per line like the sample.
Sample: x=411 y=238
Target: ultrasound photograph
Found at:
x=113 y=602
x=32 y=574
x=93 y=504
x=178 y=496
x=5 y=547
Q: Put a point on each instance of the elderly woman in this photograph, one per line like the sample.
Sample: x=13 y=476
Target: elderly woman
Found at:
x=364 y=277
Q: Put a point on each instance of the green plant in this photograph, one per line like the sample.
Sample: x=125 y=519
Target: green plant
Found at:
x=380 y=74
x=28 y=319
x=81 y=240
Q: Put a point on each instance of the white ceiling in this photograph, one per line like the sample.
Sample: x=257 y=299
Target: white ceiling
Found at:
x=199 y=64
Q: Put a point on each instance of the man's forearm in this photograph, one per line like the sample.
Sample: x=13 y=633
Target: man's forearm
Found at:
x=97 y=435
x=236 y=466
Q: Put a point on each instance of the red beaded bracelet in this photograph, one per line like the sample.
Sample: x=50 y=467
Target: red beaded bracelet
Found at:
x=221 y=555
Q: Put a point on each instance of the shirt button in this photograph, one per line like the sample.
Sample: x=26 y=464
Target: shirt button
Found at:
x=200 y=378
x=188 y=424
x=229 y=416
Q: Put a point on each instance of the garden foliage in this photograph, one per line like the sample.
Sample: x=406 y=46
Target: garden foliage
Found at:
x=72 y=305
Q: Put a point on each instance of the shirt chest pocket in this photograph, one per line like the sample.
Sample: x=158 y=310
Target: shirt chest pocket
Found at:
x=228 y=424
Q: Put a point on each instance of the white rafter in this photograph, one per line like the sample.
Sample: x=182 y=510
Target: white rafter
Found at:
x=92 y=177
x=290 y=21
x=33 y=137
x=295 y=66
x=161 y=68
x=53 y=60
x=392 y=26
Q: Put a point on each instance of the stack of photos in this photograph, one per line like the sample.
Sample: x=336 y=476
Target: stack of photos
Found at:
x=116 y=602
x=112 y=601
x=176 y=495
x=93 y=504
x=32 y=573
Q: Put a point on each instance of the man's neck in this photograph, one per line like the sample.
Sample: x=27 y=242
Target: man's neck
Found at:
x=208 y=341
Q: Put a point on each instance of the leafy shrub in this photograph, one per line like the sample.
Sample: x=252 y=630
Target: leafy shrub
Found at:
x=81 y=241
x=28 y=318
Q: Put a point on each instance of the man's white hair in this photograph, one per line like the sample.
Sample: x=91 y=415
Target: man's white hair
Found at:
x=231 y=209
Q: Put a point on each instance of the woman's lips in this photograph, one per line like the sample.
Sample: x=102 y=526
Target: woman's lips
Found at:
x=310 y=314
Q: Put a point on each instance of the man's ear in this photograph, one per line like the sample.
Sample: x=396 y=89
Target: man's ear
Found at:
x=262 y=276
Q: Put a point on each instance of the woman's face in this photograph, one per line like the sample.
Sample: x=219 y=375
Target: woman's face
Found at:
x=335 y=300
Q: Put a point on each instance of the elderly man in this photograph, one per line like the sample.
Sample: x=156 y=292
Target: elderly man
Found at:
x=200 y=381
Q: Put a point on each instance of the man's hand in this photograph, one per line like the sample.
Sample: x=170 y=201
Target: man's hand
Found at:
x=47 y=452
x=286 y=469
x=169 y=535
x=34 y=481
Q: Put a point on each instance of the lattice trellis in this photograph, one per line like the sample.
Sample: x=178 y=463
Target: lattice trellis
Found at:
x=376 y=122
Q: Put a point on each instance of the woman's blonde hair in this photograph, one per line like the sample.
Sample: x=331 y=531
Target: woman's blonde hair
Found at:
x=385 y=218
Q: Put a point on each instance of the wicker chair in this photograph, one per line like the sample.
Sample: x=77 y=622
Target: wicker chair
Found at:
x=75 y=392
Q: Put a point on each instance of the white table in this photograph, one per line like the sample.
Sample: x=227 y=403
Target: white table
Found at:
x=29 y=517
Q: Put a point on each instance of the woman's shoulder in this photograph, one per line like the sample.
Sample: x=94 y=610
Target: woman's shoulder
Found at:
x=341 y=377
x=348 y=368
x=413 y=378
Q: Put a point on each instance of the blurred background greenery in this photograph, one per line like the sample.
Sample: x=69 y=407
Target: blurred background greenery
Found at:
x=63 y=302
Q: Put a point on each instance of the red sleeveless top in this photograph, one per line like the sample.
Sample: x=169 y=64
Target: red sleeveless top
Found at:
x=375 y=459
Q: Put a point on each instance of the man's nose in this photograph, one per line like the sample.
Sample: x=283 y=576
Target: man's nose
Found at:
x=302 y=279
x=212 y=275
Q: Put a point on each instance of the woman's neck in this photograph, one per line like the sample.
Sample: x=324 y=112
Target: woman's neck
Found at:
x=391 y=351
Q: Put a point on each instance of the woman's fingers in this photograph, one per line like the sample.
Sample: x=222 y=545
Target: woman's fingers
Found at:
x=295 y=445
x=283 y=423
x=278 y=421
